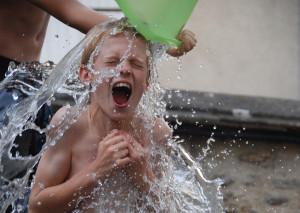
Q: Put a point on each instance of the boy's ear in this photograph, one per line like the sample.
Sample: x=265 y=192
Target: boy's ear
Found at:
x=147 y=80
x=85 y=75
x=147 y=85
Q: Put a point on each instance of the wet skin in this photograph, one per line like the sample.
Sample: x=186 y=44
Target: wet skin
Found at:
x=133 y=71
x=92 y=145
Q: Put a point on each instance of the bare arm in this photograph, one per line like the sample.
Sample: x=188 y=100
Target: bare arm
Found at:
x=83 y=18
x=51 y=192
x=72 y=12
x=54 y=192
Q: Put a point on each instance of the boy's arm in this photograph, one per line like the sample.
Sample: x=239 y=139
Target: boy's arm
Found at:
x=73 y=13
x=51 y=192
x=54 y=192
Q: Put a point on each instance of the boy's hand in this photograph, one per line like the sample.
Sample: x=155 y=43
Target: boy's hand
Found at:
x=112 y=154
x=137 y=156
x=188 y=43
x=138 y=166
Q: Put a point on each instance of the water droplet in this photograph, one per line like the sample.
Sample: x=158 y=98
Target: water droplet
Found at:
x=15 y=96
x=48 y=102
x=19 y=207
x=41 y=185
x=178 y=122
x=56 y=36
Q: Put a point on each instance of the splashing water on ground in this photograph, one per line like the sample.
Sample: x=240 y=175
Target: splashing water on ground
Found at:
x=182 y=186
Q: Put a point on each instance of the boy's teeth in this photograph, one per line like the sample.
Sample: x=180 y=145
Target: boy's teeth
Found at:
x=122 y=85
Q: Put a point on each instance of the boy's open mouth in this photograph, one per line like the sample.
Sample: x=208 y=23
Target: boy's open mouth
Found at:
x=121 y=93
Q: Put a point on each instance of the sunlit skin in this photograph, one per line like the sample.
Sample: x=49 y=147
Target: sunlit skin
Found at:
x=102 y=141
x=23 y=24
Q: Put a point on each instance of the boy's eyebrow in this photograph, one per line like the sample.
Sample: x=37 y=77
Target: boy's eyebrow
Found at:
x=139 y=60
x=135 y=58
x=111 y=57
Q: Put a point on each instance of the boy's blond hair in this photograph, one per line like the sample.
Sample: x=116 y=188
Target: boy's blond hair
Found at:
x=110 y=29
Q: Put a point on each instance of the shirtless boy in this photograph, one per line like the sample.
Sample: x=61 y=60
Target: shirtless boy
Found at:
x=104 y=149
x=23 y=25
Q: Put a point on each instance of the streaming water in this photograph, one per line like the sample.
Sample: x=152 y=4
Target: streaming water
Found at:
x=182 y=186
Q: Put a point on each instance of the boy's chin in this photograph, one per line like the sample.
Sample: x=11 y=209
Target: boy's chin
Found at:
x=121 y=116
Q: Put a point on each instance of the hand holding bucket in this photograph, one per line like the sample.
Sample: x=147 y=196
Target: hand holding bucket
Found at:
x=158 y=20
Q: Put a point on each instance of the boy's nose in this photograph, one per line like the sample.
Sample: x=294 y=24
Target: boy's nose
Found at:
x=125 y=67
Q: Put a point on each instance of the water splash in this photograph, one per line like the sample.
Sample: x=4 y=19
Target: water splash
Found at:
x=183 y=179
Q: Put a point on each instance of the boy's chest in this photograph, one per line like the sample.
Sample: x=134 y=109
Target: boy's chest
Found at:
x=83 y=154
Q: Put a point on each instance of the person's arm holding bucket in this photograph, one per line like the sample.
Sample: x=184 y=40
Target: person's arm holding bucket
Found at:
x=73 y=13
x=82 y=18
x=188 y=43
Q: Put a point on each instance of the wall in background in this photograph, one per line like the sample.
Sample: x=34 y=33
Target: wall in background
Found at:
x=244 y=47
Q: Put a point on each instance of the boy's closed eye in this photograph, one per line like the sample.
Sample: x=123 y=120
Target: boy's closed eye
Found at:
x=137 y=65
x=112 y=62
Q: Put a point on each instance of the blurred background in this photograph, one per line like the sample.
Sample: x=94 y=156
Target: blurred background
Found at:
x=244 y=47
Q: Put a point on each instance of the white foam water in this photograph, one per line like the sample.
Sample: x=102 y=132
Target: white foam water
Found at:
x=182 y=186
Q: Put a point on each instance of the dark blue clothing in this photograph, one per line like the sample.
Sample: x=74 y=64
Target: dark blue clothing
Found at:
x=31 y=141
x=6 y=100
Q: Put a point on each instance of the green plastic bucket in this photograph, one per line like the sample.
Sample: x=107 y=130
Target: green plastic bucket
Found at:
x=158 y=20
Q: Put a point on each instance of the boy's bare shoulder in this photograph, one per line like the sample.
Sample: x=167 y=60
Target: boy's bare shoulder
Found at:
x=58 y=120
x=162 y=131
x=58 y=115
